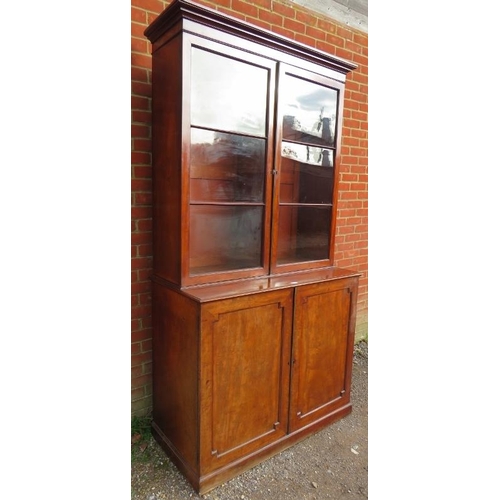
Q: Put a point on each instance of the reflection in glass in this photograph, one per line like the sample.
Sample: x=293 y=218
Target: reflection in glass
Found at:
x=227 y=94
x=303 y=233
x=306 y=174
x=226 y=167
x=310 y=111
x=225 y=238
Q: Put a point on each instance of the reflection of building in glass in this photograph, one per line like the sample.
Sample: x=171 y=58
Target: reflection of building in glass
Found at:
x=310 y=155
x=321 y=133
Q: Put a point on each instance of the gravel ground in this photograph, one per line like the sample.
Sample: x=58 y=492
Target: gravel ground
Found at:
x=330 y=464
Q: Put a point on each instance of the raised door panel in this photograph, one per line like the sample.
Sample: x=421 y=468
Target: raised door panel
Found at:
x=245 y=375
x=322 y=351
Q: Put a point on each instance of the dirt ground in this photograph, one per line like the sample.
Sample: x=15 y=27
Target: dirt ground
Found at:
x=332 y=464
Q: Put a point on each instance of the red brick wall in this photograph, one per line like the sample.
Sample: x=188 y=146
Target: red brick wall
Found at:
x=352 y=228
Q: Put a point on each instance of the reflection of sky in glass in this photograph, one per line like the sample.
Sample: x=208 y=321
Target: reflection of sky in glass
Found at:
x=309 y=103
x=307 y=154
x=228 y=94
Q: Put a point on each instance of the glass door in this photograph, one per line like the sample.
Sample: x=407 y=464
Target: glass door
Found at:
x=229 y=163
x=305 y=170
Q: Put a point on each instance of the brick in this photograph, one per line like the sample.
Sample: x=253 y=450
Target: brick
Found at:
x=245 y=8
x=143 y=275
x=137 y=393
x=360 y=59
x=264 y=4
x=141 y=89
x=143 y=212
x=294 y=25
x=352 y=237
x=139 y=157
x=141 y=407
x=315 y=33
x=140 y=335
x=138 y=16
x=143 y=198
x=141 y=60
x=145 y=225
x=354 y=47
x=306 y=18
x=345 y=54
x=346 y=229
x=147 y=345
x=145 y=250
x=307 y=40
x=141 y=381
x=139 y=45
x=141 y=263
x=142 y=172
x=141 y=185
x=139 y=359
x=361 y=244
x=141 y=116
x=138 y=102
x=151 y=16
x=349 y=160
x=136 y=371
x=358 y=186
x=359 y=77
x=348 y=177
x=335 y=40
x=328 y=26
x=359 y=133
x=139 y=74
x=152 y=5
x=136 y=348
x=137 y=30
x=138 y=238
x=141 y=144
x=350 y=141
x=144 y=287
x=140 y=131
x=344 y=33
x=348 y=123
x=271 y=17
x=147 y=320
x=282 y=31
x=285 y=10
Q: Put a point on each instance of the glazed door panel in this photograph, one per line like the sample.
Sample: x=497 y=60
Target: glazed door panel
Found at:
x=245 y=375
x=321 y=352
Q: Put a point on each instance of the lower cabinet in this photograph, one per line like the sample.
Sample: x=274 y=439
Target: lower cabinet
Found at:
x=237 y=379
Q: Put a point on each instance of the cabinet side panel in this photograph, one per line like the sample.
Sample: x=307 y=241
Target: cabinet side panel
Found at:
x=175 y=370
x=167 y=141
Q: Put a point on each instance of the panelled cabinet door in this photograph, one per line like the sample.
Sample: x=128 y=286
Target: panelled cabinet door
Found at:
x=322 y=351
x=244 y=375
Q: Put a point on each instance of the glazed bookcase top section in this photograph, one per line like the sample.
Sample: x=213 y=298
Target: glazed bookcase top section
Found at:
x=186 y=9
